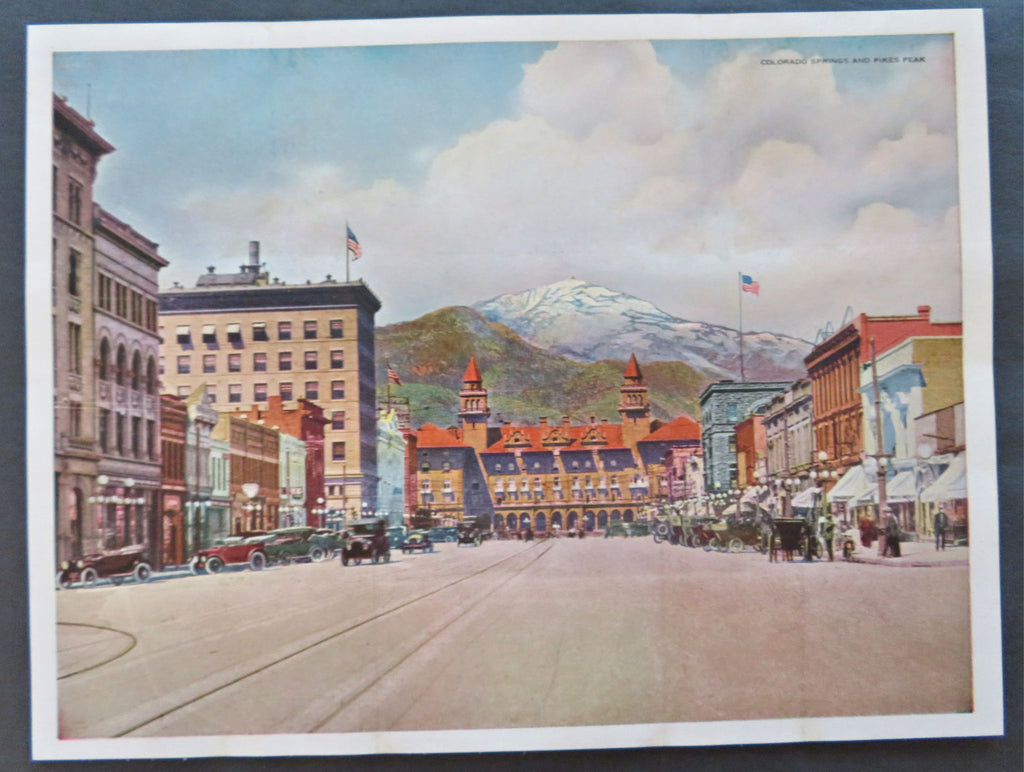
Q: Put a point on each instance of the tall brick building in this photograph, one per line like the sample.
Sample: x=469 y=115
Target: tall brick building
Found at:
x=245 y=337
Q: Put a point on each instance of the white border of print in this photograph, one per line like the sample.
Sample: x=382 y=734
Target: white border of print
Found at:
x=966 y=25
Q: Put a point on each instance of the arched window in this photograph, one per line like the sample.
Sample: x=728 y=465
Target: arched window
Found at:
x=136 y=371
x=151 y=382
x=122 y=366
x=104 y=360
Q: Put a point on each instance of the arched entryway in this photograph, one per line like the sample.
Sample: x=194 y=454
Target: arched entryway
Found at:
x=510 y=521
x=556 y=520
x=573 y=520
x=602 y=519
x=541 y=523
x=524 y=521
x=628 y=515
x=588 y=521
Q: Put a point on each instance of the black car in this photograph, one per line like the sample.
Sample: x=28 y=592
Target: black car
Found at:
x=366 y=539
x=469 y=533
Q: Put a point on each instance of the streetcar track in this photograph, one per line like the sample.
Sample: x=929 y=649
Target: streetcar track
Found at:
x=117 y=656
x=323 y=640
x=417 y=648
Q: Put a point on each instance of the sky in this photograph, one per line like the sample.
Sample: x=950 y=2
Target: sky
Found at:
x=661 y=169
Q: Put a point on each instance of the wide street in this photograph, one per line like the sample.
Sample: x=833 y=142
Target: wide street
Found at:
x=513 y=634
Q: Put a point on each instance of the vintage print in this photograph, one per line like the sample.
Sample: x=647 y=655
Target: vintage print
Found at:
x=489 y=384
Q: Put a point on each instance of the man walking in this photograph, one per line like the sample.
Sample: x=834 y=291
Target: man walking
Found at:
x=892 y=534
x=828 y=532
x=940 y=523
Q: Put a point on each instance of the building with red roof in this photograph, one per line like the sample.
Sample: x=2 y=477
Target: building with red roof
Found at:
x=555 y=475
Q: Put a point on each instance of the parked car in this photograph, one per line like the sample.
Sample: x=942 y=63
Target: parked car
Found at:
x=396 y=536
x=616 y=528
x=417 y=541
x=639 y=528
x=443 y=533
x=366 y=539
x=297 y=543
x=116 y=565
x=233 y=550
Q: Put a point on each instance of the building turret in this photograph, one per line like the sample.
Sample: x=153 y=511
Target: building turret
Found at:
x=473 y=409
x=633 y=405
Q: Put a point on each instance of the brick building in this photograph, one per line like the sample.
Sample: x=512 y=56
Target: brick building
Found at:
x=246 y=337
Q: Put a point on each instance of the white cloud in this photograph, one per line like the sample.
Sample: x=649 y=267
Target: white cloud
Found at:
x=774 y=170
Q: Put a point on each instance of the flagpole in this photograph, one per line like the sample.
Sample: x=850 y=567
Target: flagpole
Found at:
x=347 y=251
x=739 y=291
x=387 y=377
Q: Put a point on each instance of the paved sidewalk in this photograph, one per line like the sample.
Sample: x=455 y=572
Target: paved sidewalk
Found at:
x=915 y=554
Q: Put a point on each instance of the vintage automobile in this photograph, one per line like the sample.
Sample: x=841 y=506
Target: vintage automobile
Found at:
x=639 y=528
x=698 y=533
x=298 y=543
x=441 y=533
x=616 y=528
x=115 y=564
x=366 y=539
x=396 y=536
x=233 y=550
x=735 y=533
x=469 y=533
x=417 y=541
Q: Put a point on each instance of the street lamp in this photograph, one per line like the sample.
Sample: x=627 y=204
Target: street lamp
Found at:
x=924 y=453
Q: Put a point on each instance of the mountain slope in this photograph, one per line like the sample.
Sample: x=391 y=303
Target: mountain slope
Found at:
x=525 y=382
x=586 y=322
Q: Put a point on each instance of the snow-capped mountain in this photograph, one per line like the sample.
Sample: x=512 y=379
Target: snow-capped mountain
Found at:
x=589 y=323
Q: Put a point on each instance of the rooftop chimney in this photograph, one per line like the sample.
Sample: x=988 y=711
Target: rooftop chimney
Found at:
x=254 y=253
x=565 y=420
x=924 y=311
x=543 y=420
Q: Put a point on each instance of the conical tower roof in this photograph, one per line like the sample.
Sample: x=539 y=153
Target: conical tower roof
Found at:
x=633 y=368
x=472 y=372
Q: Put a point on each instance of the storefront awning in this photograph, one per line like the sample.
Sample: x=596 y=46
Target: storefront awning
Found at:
x=852 y=485
x=951 y=484
x=806 y=498
x=901 y=488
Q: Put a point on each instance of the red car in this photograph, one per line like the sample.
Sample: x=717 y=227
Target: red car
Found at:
x=234 y=550
x=117 y=565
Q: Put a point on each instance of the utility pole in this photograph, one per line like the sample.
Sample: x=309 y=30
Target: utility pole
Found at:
x=880 y=454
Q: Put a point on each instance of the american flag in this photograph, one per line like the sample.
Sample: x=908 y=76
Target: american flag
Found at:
x=393 y=377
x=749 y=285
x=353 y=244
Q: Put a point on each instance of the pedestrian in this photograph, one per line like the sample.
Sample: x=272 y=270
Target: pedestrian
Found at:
x=941 y=523
x=677 y=528
x=828 y=532
x=892 y=534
